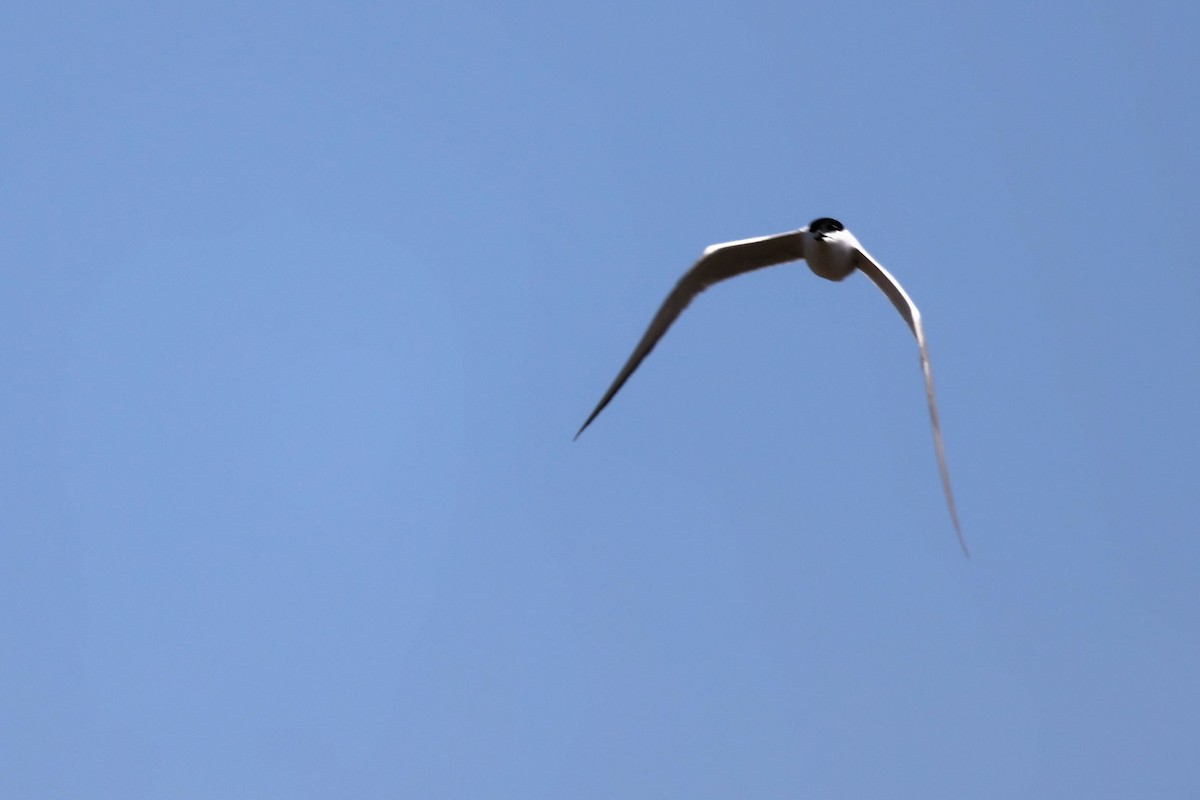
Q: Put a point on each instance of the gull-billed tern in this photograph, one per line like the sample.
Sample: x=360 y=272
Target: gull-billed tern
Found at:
x=832 y=252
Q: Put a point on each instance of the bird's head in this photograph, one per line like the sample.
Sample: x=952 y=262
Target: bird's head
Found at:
x=821 y=228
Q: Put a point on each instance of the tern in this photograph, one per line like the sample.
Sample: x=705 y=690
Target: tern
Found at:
x=832 y=252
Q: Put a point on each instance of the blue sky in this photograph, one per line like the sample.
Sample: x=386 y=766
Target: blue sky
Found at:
x=302 y=303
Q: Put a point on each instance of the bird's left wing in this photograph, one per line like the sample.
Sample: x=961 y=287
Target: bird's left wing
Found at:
x=720 y=261
x=908 y=309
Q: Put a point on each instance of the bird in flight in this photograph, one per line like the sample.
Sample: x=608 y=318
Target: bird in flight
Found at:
x=832 y=252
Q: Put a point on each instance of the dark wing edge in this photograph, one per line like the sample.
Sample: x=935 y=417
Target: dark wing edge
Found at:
x=908 y=309
x=719 y=262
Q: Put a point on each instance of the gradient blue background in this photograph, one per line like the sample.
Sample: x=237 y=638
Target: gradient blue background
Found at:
x=301 y=304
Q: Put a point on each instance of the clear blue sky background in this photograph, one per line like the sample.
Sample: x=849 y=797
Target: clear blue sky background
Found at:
x=301 y=304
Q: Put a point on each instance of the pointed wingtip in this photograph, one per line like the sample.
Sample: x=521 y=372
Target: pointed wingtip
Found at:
x=595 y=413
x=962 y=540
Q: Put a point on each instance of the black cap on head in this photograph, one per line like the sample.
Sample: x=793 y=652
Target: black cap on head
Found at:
x=825 y=225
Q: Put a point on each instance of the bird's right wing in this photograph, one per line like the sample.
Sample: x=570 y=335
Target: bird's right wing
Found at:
x=720 y=261
x=908 y=309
